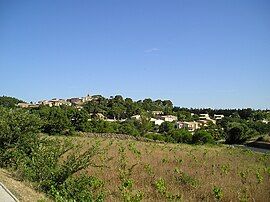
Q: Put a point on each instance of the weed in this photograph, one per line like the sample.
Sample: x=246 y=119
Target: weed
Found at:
x=218 y=193
x=161 y=186
x=178 y=160
x=225 y=169
x=177 y=170
x=148 y=168
x=243 y=175
x=186 y=179
x=259 y=177
x=134 y=150
x=165 y=160
x=127 y=183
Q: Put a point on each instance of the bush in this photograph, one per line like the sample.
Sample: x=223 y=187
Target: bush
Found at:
x=14 y=124
x=237 y=133
x=181 y=136
x=202 y=137
x=81 y=188
x=52 y=165
x=55 y=120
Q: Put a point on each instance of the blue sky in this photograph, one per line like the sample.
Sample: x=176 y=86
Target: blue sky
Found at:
x=196 y=53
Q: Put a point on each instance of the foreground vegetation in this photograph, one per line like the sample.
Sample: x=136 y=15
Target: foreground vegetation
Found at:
x=78 y=168
x=98 y=169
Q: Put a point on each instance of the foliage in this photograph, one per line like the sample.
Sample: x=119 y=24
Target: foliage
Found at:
x=181 y=136
x=237 y=133
x=55 y=120
x=202 y=137
x=218 y=193
x=10 y=102
x=161 y=186
x=14 y=125
x=166 y=127
x=81 y=188
x=186 y=179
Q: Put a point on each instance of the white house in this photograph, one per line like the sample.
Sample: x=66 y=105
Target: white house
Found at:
x=218 y=116
x=157 y=121
x=204 y=118
x=137 y=117
x=169 y=118
x=191 y=126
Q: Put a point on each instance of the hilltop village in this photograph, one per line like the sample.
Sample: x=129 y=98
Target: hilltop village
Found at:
x=156 y=117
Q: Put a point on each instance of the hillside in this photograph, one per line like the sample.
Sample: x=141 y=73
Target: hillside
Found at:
x=159 y=172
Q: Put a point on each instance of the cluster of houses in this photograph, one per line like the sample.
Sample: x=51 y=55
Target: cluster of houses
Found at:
x=204 y=120
x=58 y=102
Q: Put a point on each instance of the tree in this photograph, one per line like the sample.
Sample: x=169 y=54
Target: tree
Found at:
x=56 y=121
x=181 y=136
x=166 y=127
x=6 y=101
x=202 y=137
x=18 y=130
x=237 y=133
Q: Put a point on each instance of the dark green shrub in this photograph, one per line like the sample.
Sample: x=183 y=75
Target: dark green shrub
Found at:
x=80 y=188
x=182 y=136
x=202 y=137
x=55 y=120
x=237 y=133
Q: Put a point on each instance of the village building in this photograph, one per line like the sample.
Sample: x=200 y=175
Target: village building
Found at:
x=169 y=118
x=137 y=117
x=76 y=101
x=218 y=116
x=157 y=122
x=190 y=126
x=205 y=119
x=23 y=105
x=155 y=113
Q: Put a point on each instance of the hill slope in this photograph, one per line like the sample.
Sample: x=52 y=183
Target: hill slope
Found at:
x=158 y=172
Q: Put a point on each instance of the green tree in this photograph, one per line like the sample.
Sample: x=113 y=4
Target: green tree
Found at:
x=202 y=137
x=6 y=101
x=181 y=136
x=166 y=127
x=237 y=133
x=56 y=121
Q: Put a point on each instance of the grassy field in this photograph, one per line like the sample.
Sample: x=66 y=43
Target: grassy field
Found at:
x=133 y=170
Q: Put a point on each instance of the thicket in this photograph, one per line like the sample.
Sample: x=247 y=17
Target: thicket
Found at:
x=52 y=165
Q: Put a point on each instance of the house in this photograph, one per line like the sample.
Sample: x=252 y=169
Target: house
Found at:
x=205 y=118
x=55 y=102
x=218 y=116
x=27 y=105
x=169 y=118
x=137 y=117
x=86 y=98
x=157 y=113
x=78 y=107
x=100 y=116
x=76 y=101
x=157 y=121
x=46 y=103
x=23 y=105
x=191 y=126
x=265 y=121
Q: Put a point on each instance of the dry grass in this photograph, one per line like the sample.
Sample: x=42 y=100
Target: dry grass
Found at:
x=190 y=172
x=23 y=191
